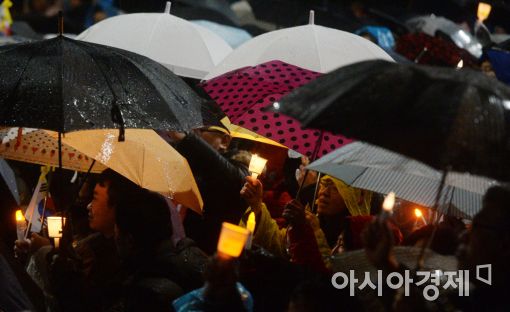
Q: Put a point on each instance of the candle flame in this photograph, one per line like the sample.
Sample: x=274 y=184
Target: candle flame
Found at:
x=250 y=225
x=460 y=64
x=418 y=213
x=19 y=215
x=389 y=202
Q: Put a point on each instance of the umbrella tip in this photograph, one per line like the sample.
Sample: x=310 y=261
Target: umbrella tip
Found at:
x=60 y=23
x=311 y=18
x=168 y=7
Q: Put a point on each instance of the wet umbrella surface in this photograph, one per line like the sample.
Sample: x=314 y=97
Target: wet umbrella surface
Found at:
x=66 y=85
x=446 y=118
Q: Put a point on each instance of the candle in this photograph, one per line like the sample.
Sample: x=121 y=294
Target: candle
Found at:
x=55 y=228
x=232 y=240
x=484 y=9
x=419 y=214
x=389 y=202
x=250 y=225
x=21 y=225
x=257 y=165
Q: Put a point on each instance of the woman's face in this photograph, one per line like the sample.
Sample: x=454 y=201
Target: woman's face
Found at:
x=330 y=202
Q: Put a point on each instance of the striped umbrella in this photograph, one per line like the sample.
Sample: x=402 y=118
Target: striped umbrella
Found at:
x=376 y=169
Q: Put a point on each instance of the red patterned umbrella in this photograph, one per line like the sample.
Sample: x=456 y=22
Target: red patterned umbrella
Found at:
x=424 y=49
x=244 y=93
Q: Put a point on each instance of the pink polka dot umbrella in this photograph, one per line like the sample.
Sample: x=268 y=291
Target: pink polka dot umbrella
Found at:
x=243 y=94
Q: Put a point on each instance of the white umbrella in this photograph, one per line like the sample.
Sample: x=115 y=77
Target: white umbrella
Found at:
x=376 y=169
x=185 y=48
x=312 y=47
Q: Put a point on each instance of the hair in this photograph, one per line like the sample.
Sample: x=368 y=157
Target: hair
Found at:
x=118 y=186
x=497 y=201
x=144 y=215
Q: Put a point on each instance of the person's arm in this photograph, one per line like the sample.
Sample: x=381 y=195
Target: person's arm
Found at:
x=207 y=162
x=267 y=233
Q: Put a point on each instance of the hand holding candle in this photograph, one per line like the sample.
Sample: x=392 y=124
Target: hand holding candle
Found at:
x=257 y=165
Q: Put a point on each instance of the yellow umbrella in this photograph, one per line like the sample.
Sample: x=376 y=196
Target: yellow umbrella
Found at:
x=144 y=158
x=243 y=133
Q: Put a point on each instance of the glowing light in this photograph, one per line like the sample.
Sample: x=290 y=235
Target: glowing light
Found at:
x=250 y=225
x=389 y=202
x=19 y=215
x=257 y=165
x=232 y=240
x=460 y=64
x=484 y=9
x=418 y=213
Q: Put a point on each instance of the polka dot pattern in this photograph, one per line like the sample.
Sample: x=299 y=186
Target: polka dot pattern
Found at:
x=244 y=93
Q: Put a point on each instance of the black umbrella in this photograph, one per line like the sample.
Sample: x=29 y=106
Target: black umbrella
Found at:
x=65 y=85
x=449 y=119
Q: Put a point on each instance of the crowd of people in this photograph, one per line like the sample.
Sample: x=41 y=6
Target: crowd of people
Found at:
x=126 y=248
x=129 y=259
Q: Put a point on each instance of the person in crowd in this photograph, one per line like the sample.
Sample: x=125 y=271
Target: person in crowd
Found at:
x=488 y=243
x=221 y=292
x=219 y=180
x=337 y=201
x=155 y=273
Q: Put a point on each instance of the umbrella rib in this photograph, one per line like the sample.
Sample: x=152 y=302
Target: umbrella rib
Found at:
x=359 y=175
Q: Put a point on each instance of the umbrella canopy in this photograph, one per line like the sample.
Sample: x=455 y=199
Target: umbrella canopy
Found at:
x=234 y=36
x=10 y=179
x=436 y=25
x=376 y=169
x=311 y=47
x=244 y=94
x=144 y=158
x=41 y=147
x=65 y=85
x=449 y=119
x=243 y=133
x=424 y=49
x=185 y=48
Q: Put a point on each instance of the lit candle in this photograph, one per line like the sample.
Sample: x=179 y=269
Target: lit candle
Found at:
x=232 y=240
x=460 y=64
x=250 y=225
x=257 y=165
x=419 y=214
x=484 y=9
x=389 y=202
x=55 y=228
x=21 y=225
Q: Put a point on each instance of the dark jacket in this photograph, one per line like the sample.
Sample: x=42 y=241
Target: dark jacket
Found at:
x=219 y=181
x=155 y=278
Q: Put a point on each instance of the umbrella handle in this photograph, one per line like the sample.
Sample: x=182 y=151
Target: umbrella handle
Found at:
x=117 y=118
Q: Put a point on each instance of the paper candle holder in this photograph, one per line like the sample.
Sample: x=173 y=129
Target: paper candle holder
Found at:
x=232 y=240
